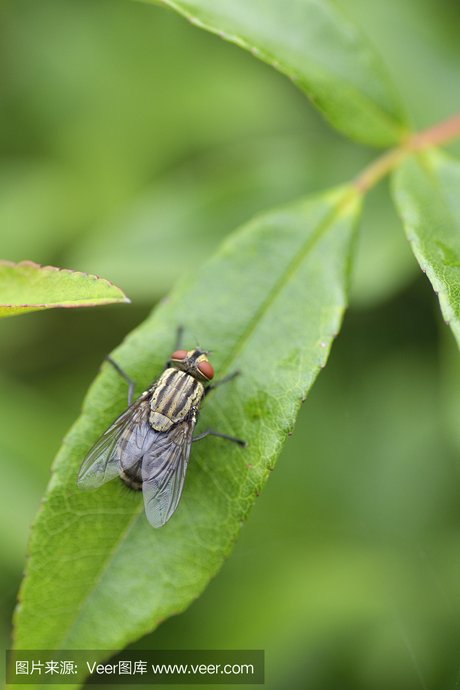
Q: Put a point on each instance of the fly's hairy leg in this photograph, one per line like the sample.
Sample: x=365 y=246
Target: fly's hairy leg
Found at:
x=179 y=337
x=123 y=374
x=226 y=379
x=211 y=432
x=178 y=345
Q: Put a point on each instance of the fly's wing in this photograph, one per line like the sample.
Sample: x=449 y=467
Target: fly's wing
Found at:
x=120 y=447
x=163 y=472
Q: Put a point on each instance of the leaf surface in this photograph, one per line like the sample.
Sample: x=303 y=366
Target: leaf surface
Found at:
x=426 y=192
x=268 y=303
x=26 y=287
x=320 y=50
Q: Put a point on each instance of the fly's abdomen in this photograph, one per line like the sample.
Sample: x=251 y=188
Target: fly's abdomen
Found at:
x=173 y=398
x=132 y=476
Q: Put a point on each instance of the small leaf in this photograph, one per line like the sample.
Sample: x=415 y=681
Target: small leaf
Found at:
x=26 y=286
x=320 y=50
x=268 y=303
x=426 y=193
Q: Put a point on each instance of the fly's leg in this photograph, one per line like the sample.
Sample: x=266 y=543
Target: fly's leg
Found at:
x=211 y=432
x=177 y=346
x=226 y=379
x=128 y=379
x=179 y=336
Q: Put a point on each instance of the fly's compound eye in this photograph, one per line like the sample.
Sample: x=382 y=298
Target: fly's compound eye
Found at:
x=179 y=355
x=206 y=369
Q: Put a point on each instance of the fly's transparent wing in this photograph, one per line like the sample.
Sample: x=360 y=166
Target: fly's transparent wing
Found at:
x=120 y=447
x=163 y=472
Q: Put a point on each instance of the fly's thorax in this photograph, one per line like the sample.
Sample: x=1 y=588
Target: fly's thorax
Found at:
x=173 y=399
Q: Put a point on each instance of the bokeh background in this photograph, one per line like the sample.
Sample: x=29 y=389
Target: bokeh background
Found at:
x=132 y=143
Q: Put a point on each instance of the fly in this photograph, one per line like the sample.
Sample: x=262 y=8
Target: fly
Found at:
x=148 y=446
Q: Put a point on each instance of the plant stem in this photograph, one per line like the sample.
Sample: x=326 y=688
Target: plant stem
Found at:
x=379 y=168
x=438 y=134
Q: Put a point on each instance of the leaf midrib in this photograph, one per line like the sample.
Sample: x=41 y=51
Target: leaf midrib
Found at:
x=110 y=557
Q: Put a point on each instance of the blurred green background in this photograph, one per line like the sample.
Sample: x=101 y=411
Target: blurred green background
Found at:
x=132 y=143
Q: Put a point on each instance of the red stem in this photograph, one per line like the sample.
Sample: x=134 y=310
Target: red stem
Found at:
x=439 y=134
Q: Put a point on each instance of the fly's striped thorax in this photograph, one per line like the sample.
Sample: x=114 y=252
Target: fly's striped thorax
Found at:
x=173 y=398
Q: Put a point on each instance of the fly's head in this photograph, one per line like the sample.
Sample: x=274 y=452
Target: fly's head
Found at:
x=193 y=362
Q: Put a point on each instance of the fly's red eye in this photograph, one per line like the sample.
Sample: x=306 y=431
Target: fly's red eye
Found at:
x=206 y=369
x=179 y=355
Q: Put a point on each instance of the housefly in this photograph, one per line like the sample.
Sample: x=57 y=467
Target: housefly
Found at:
x=148 y=446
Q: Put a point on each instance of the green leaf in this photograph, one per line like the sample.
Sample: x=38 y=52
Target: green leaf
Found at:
x=268 y=303
x=320 y=50
x=26 y=286
x=425 y=189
